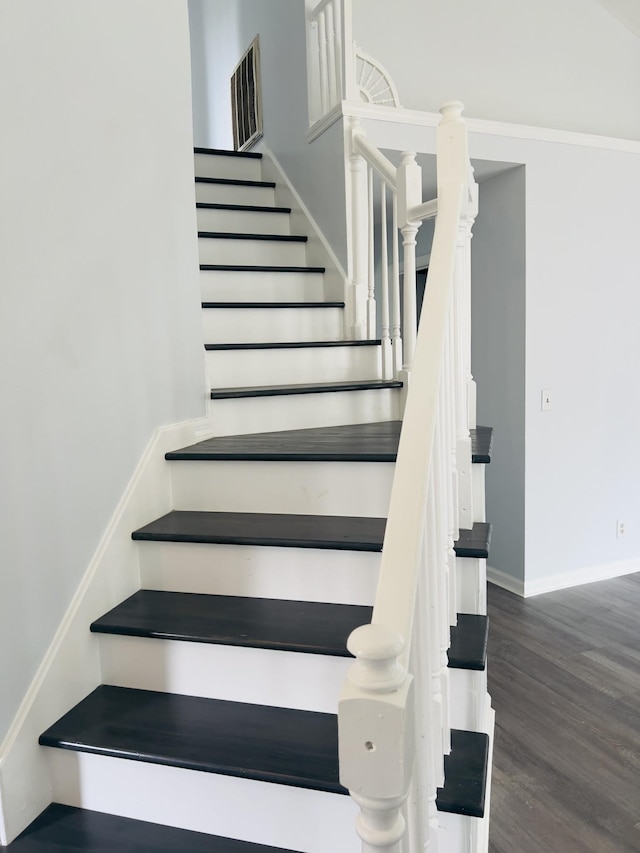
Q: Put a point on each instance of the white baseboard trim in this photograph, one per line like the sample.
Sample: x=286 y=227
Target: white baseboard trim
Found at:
x=506 y=581
x=564 y=580
x=71 y=667
x=578 y=577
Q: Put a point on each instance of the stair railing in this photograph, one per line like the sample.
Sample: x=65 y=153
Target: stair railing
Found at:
x=393 y=715
x=330 y=63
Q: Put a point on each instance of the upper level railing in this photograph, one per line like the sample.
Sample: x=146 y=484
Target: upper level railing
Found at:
x=337 y=69
x=393 y=714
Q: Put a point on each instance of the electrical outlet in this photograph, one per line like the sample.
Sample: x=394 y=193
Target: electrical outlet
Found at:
x=620 y=529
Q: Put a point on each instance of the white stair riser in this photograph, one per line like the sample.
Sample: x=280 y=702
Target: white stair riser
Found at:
x=309 y=682
x=261 y=812
x=223 y=166
x=266 y=252
x=315 y=488
x=478 y=481
x=471 y=585
x=468 y=694
x=271 y=325
x=294 y=574
x=242 y=221
x=304 y=411
x=230 y=368
x=234 y=194
x=457 y=833
x=238 y=286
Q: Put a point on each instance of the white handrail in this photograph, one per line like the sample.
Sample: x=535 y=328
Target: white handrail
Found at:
x=384 y=728
x=376 y=159
x=395 y=596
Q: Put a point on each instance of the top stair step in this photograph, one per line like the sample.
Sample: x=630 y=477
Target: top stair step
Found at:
x=225 y=152
x=64 y=829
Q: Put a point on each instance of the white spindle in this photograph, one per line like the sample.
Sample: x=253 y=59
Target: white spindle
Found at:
x=371 y=283
x=332 y=74
x=387 y=362
x=357 y=295
x=322 y=55
x=409 y=196
x=396 y=329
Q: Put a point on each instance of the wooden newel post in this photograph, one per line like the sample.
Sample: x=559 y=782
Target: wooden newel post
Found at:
x=453 y=165
x=376 y=736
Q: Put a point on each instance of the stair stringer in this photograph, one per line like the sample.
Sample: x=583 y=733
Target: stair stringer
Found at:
x=71 y=668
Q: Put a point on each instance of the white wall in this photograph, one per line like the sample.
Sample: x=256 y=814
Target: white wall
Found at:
x=100 y=334
x=498 y=357
x=581 y=302
x=221 y=32
x=567 y=64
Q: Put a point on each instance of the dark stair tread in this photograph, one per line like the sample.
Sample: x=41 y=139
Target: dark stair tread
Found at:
x=292 y=345
x=254 y=208
x=261 y=742
x=310 y=388
x=465 y=774
x=259 y=268
x=263 y=623
x=234 y=182
x=469 y=638
x=343 y=533
x=377 y=442
x=225 y=152
x=481 y=444
x=335 y=532
x=270 y=305
x=234 y=235
x=65 y=829
x=474 y=542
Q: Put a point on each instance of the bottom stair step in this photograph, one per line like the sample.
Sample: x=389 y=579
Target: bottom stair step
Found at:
x=64 y=829
x=465 y=774
x=260 y=742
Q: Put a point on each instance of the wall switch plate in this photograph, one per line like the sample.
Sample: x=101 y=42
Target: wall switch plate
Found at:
x=545 y=400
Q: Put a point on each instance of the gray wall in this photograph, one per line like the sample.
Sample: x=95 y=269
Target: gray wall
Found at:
x=221 y=31
x=100 y=330
x=498 y=357
x=567 y=64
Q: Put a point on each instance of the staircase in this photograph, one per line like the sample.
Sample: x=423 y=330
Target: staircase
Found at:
x=215 y=727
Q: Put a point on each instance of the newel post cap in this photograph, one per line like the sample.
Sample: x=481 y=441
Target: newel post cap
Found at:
x=451 y=111
x=376 y=650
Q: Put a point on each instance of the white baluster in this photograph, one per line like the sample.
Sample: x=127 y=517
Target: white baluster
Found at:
x=387 y=357
x=357 y=295
x=409 y=196
x=331 y=57
x=322 y=55
x=371 y=294
x=376 y=736
x=396 y=329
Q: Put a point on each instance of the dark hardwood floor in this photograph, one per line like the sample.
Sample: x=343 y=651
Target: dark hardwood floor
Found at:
x=564 y=675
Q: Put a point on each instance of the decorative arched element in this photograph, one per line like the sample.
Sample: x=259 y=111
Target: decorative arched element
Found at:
x=373 y=81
